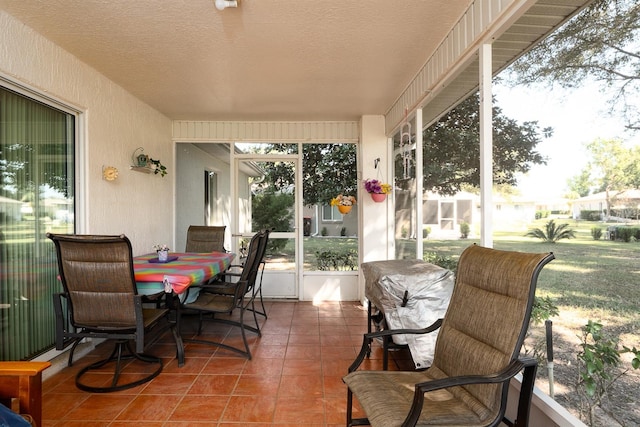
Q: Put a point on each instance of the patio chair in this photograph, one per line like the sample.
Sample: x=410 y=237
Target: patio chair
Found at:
x=100 y=300
x=201 y=238
x=225 y=297
x=476 y=355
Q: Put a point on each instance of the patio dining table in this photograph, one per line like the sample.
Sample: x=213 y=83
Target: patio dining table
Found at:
x=182 y=271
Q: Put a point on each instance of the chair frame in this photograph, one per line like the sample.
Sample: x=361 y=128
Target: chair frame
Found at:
x=517 y=364
x=224 y=297
x=68 y=331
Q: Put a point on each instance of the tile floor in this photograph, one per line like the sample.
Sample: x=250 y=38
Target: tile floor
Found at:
x=293 y=379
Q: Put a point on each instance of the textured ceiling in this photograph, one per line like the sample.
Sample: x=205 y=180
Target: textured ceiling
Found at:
x=265 y=60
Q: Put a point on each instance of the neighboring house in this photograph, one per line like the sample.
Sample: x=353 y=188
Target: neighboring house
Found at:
x=620 y=200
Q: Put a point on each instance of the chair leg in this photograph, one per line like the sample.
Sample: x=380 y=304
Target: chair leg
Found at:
x=117 y=355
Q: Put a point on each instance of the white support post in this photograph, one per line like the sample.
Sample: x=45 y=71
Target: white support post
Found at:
x=486 y=147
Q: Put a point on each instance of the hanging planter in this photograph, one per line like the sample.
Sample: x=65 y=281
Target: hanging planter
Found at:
x=377 y=189
x=343 y=203
x=378 y=197
x=344 y=209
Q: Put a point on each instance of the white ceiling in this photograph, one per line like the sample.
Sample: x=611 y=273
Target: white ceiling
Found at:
x=265 y=60
x=276 y=60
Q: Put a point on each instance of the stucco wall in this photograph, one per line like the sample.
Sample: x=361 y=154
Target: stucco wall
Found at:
x=114 y=123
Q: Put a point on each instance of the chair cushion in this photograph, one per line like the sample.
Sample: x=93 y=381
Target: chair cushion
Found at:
x=389 y=409
x=10 y=418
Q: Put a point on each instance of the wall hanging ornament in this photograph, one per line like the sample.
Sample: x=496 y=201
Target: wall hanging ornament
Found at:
x=405 y=146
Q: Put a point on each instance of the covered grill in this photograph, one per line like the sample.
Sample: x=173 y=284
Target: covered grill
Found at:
x=411 y=294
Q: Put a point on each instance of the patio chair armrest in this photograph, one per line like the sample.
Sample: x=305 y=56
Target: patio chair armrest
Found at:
x=368 y=339
x=510 y=371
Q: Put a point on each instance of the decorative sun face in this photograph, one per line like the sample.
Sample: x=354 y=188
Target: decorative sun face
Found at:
x=110 y=173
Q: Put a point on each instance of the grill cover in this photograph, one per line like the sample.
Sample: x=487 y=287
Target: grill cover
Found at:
x=412 y=294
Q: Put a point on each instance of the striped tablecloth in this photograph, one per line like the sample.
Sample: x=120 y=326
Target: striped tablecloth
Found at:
x=189 y=269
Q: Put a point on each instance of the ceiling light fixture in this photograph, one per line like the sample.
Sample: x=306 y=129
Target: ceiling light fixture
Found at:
x=223 y=4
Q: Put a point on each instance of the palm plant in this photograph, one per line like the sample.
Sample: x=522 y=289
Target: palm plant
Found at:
x=552 y=232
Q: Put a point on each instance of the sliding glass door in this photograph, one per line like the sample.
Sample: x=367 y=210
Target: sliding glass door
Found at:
x=36 y=197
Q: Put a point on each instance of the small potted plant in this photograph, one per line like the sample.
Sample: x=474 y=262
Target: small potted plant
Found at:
x=163 y=252
x=344 y=203
x=377 y=189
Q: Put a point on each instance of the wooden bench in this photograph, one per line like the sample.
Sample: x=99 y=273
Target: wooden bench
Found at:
x=21 y=382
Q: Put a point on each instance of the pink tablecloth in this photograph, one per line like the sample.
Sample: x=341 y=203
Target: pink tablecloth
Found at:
x=188 y=270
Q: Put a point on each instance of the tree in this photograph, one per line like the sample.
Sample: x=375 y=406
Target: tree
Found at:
x=327 y=169
x=612 y=167
x=452 y=149
x=451 y=157
x=581 y=183
x=599 y=43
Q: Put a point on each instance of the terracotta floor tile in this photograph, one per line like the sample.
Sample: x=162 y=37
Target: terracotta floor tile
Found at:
x=200 y=408
x=257 y=385
x=214 y=384
x=305 y=351
x=56 y=405
x=99 y=407
x=224 y=365
x=150 y=408
x=301 y=367
x=301 y=385
x=170 y=384
x=250 y=409
x=293 y=409
x=264 y=367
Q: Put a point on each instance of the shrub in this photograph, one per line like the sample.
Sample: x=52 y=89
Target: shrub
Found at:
x=343 y=231
x=542 y=214
x=590 y=215
x=336 y=260
x=324 y=231
x=441 y=261
x=464 y=230
x=552 y=233
x=625 y=233
x=596 y=233
x=425 y=232
x=599 y=368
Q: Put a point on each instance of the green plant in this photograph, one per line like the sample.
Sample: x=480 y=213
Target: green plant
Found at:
x=596 y=233
x=542 y=310
x=464 y=230
x=552 y=232
x=598 y=368
x=158 y=168
x=324 y=231
x=443 y=261
x=425 y=232
x=336 y=260
x=343 y=231
x=272 y=210
x=404 y=232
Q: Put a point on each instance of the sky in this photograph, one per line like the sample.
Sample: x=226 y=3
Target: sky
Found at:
x=577 y=117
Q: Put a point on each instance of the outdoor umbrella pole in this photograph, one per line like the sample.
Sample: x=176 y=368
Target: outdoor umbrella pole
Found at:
x=549 y=326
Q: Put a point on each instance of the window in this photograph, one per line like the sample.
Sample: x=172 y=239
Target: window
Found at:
x=331 y=214
x=36 y=196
